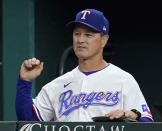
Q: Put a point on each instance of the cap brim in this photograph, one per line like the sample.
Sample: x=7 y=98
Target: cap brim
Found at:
x=71 y=25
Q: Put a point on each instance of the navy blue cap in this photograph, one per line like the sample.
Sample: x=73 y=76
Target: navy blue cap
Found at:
x=93 y=19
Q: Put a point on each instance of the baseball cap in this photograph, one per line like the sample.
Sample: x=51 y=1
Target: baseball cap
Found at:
x=92 y=18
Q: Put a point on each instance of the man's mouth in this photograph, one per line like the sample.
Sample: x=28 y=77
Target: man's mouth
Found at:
x=81 y=47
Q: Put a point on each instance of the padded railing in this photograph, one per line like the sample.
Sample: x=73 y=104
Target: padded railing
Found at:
x=79 y=126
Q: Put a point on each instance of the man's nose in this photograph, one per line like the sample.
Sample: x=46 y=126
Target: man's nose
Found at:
x=81 y=38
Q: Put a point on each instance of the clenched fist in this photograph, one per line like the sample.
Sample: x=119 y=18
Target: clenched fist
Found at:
x=31 y=69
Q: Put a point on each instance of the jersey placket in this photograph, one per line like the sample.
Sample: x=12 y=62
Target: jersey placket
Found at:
x=83 y=113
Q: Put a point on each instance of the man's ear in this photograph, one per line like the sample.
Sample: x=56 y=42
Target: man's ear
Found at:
x=104 y=40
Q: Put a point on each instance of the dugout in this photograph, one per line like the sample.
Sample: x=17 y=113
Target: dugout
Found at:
x=37 y=28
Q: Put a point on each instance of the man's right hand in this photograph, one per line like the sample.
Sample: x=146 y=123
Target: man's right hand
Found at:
x=31 y=69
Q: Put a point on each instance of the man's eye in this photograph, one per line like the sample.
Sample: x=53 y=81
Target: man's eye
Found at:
x=88 y=35
x=76 y=33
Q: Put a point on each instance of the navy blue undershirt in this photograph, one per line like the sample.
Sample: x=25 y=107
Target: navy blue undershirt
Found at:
x=24 y=102
x=91 y=72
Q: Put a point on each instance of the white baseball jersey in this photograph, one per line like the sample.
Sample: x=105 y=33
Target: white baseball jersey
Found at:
x=78 y=97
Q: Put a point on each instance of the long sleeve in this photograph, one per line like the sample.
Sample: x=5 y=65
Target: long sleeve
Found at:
x=24 y=102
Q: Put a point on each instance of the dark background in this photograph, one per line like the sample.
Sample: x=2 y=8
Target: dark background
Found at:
x=129 y=20
x=0 y=60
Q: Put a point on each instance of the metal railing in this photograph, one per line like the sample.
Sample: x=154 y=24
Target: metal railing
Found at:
x=63 y=59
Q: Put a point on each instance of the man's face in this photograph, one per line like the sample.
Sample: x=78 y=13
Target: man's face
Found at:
x=86 y=42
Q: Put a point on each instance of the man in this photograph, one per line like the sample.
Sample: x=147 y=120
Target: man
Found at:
x=94 y=88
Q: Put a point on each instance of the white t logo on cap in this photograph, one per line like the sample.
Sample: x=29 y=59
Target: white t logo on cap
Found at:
x=84 y=14
x=104 y=28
